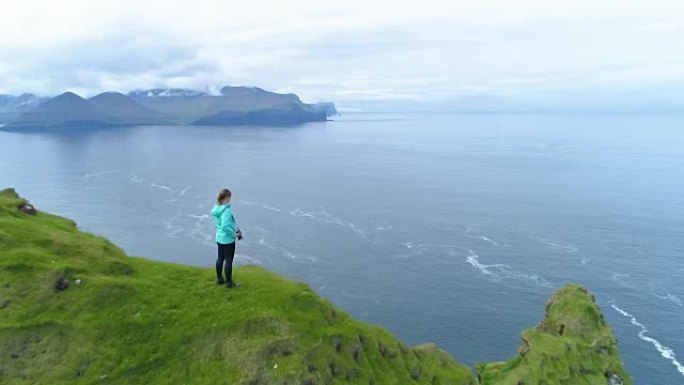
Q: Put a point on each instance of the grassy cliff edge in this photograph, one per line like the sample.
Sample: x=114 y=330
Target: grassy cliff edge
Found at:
x=76 y=309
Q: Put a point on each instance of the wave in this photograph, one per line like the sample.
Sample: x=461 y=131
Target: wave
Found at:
x=239 y=257
x=141 y=181
x=664 y=351
x=501 y=271
x=568 y=248
x=323 y=216
x=484 y=238
x=671 y=298
x=264 y=206
x=167 y=188
x=199 y=217
x=172 y=229
x=201 y=232
x=620 y=278
x=268 y=245
x=96 y=174
x=184 y=191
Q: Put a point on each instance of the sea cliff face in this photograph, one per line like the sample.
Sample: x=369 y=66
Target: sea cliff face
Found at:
x=76 y=309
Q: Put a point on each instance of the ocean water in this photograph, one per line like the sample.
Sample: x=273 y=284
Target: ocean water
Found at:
x=450 y=228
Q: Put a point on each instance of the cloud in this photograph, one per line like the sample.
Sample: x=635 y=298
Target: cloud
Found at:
x=344 y=50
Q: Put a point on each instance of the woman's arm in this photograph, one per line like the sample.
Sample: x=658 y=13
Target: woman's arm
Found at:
x=228 y=222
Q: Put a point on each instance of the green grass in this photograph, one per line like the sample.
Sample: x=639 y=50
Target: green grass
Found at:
x=572 y=345
x=136 y=321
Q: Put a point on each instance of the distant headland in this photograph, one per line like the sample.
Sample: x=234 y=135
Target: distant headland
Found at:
x=231 y=106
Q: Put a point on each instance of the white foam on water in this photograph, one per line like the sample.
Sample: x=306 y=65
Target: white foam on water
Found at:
x=584 y=261
x=662 y=349
x=295 y=257
x=620 y=278
x=136 y=179
x=167 y=188
x=671 y=298
x=484 y=238
x=287 y=253
x=255 y=261
x=201 y=231
x=97 y=174
x=264 y=206
x=173 y=230
x=323 y=216
x=568 y=248
x=501 y=271
x=184 y=191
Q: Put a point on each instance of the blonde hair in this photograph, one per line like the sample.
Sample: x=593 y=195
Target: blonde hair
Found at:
x=223 y=194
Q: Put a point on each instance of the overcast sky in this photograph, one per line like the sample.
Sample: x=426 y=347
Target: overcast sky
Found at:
x=349 y=50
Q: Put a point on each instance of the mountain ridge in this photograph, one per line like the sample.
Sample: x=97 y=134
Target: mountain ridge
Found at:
x=228 y=106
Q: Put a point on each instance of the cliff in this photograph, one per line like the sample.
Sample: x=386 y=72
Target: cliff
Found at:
x=76 y=309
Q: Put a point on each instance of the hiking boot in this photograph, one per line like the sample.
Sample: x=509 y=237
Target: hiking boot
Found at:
x=232 y=285
x=220 y=281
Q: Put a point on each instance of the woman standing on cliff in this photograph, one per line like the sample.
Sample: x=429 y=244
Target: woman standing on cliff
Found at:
x=226 y=235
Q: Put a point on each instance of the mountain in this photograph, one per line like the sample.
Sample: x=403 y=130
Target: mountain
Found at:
x=67 y=110
x=75 y=309
x=13 y=106
x=122 y=107
x=229 y=106
x=234 y=105
x=329 y=108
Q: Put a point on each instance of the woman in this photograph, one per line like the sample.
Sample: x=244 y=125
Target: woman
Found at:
x=226 y=235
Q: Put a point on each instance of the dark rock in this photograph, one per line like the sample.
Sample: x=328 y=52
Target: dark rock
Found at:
x=351 y=375
x=334 y=369
x=337 y=343
x=28 y=208
x=356 y=349
x=614 y=379
x=416 y=371
x=62 y=284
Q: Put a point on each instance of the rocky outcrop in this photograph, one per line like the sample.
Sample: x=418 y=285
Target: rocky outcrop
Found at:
x=572 y=345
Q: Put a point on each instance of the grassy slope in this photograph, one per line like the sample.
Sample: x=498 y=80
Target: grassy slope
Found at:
x=573 y=345
x=137 y=321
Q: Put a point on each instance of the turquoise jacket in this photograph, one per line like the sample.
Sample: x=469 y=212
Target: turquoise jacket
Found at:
x=225 y=224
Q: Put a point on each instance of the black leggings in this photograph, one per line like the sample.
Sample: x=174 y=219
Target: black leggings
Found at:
x=226 y=253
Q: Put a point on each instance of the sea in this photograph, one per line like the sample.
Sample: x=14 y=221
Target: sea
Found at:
x=453 y=228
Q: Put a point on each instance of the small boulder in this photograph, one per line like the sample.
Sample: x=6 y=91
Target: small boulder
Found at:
x=614 y=379
x=62 y=284
x=28 y=208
